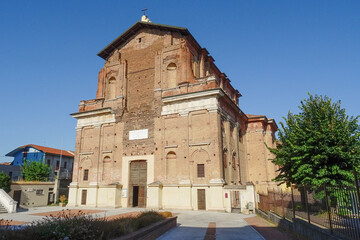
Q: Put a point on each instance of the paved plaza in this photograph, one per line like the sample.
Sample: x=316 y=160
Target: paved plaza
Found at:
x=197 y=225
x=191 y=224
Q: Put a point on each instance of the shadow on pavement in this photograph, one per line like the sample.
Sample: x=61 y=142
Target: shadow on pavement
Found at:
x=20 y=209
x=231 y=233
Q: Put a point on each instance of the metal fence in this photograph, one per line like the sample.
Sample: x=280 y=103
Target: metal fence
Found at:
x=332 y=208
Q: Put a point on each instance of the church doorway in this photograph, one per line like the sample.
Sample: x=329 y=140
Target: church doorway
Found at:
x=83 y=197
x=17 y=197
x=138 y=183
x=201 y=199
x=235 y=201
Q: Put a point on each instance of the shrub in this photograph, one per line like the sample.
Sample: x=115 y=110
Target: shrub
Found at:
x=80 y=226
x=35 y=170
x=62 y=198
x=298 y=207
x=5 y=182
x=5 y=223
x=147 y=218
x=166 y=214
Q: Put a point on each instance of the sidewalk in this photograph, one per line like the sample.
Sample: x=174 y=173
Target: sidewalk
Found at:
x=268 y=230
x=200 y=225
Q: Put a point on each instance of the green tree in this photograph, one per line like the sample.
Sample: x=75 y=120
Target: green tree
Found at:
x=319 y=145
x=5 y=182
x=35 y=171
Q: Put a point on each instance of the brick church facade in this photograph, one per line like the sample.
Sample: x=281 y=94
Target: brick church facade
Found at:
x=165 y=129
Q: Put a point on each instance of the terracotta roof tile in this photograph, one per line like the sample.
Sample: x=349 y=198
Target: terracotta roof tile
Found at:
x=5 y=163
x=49 y=150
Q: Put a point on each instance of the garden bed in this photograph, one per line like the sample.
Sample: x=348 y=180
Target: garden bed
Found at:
x=81 y=226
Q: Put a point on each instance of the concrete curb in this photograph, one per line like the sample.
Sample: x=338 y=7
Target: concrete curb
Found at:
x=151 y=232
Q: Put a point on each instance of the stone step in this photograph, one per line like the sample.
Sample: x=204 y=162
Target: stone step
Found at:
x=2 y=209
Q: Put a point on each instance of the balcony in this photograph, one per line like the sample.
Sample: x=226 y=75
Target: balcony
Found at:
x=64 y=174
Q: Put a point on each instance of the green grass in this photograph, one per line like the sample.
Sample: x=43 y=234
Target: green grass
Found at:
x=70 y=226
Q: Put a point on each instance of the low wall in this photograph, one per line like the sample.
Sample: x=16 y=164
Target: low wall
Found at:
x=301 y=228
x=151 y=232
x=8 y=203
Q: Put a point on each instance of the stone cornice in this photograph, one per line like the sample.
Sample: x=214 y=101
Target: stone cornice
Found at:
x=193 y=95
x=183 y=104
x=91 y=113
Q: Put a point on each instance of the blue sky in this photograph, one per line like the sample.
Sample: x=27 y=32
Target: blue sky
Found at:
x=274 y=52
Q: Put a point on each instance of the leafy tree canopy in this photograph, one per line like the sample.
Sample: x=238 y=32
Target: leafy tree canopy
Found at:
x=35 y=171
x=5 y=182
x=320 y=145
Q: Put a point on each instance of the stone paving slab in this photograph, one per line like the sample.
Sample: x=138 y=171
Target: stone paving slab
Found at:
x=196 y=224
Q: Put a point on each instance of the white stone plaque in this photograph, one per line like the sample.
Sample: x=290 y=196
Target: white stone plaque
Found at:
x=138 y=134
x=124 y=193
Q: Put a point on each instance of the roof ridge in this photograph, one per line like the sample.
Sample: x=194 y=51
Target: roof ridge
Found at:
x=105 y=52
x=49 y=150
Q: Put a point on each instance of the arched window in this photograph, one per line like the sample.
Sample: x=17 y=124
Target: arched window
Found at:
x=111 y=89
x=171 y=75
x=171 y=164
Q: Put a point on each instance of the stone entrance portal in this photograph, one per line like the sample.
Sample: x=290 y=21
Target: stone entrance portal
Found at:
x=138 y=183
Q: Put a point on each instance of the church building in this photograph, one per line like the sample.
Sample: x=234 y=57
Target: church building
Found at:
x=165 y=130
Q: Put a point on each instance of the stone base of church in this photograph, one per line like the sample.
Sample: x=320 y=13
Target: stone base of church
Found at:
x=108 y=196
x=183 y=196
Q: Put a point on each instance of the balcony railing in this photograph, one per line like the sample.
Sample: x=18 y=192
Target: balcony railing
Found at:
x=65 y=174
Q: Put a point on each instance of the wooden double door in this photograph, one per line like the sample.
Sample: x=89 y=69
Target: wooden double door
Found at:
x=138 y=183
x=201 y=199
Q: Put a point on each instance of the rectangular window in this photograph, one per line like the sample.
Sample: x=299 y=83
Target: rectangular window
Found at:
x=65 y=164
x=57 y=165
x=39 y=192
x=86 y=174
x=200 y=170
x=48 y=162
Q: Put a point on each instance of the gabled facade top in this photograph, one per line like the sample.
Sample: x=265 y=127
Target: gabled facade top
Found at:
x=123 y=38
